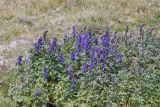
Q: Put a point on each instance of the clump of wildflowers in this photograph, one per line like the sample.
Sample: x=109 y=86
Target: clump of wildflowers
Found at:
x=84 y=69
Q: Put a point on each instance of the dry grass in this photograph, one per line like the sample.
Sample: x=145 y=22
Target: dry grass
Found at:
x=21 y=21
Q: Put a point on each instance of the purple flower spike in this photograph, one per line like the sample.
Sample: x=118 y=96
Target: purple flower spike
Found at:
x=19 y=60
x=65 y=38
x=86 y=47
x=45 y=72
x=114 y=38
x=38 y=92
x=104 y=54
x=87 y=41
x=70 y=76
x=84 y=68
x=120 y=58
x=40 y=41
x=61 y=59
x=79 y=43
x=44 y=34
x=105 y=40
x=73 y=84
x=92 y=53
x=96 y=40
x=79 y=39
x=53 y=46
x=98 y=52
x=38 y=45
x=78 y=48
x=72 y=56
x=91 y=65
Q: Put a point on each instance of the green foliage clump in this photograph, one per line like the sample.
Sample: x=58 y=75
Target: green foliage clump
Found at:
x=83 y=70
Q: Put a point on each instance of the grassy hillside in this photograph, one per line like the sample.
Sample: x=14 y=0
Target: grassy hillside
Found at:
x=22 y=21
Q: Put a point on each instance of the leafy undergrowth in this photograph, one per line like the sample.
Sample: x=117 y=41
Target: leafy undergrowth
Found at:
x=83 y=70
x=6 y=79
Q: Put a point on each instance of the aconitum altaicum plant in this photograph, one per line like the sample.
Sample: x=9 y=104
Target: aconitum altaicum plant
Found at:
x=90 y=70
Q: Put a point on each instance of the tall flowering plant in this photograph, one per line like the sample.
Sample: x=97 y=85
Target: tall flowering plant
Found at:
x=88 y=70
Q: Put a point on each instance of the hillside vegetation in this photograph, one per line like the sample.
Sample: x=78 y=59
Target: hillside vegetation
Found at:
x=23 y=21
